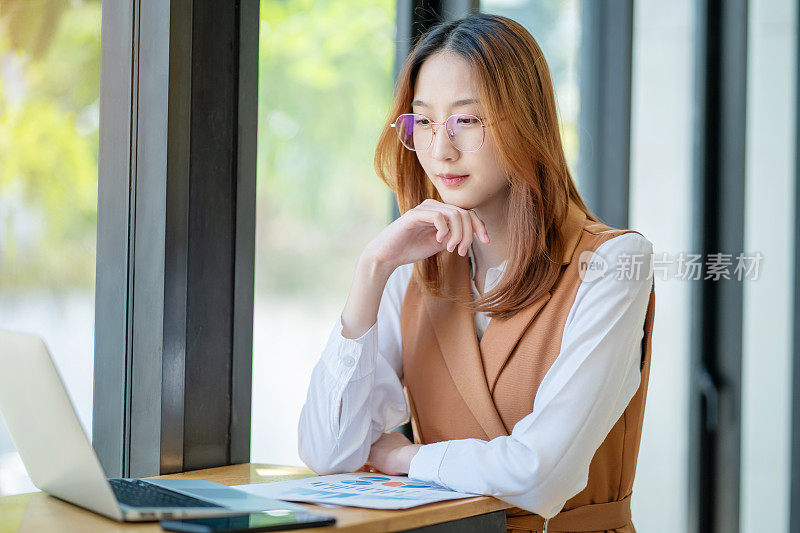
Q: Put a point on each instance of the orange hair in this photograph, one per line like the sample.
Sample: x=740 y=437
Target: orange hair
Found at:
x=514 y=85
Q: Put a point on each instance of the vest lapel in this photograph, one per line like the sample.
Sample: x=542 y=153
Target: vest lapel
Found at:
x=454 y=329
x=502 y=336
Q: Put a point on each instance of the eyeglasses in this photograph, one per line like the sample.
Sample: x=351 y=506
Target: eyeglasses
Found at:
x=466 y=132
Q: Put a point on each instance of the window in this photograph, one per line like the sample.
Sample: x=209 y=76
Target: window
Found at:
x=556 y=26
x=325 y=85
x=49 y=115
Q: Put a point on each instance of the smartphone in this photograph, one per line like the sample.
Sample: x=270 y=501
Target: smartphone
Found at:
x=264 y=521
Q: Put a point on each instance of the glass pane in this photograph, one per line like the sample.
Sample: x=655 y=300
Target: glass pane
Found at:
x=325 y=85
x=769 y=357
x=556 y=26
x=661 y=207
x=49 y=109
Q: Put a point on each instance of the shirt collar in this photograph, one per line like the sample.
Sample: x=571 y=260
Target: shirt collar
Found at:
x=493 y=275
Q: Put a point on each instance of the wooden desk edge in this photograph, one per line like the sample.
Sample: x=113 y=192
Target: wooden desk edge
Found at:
x=352 y=519
x=39 y=512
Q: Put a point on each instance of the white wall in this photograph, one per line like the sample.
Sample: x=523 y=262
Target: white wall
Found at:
x=769 y=215
x=660 y=207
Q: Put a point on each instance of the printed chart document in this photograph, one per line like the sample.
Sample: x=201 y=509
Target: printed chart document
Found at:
x=356 y=490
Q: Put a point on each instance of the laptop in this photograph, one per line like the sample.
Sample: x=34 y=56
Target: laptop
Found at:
x=61 y=461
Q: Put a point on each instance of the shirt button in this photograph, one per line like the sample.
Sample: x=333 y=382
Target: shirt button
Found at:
x=348 y=361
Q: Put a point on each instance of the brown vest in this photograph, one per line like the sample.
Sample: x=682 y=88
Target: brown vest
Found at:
x=460 y=388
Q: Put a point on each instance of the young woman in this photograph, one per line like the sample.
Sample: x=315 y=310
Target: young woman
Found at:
x=497 y=313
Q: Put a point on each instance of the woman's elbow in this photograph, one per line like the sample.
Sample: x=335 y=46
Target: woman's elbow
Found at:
x=325 y=453
x=328 y=458
x=547 y=500
x=326 y=464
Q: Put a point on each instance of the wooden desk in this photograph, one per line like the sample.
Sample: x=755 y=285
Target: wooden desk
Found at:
x=38 y=512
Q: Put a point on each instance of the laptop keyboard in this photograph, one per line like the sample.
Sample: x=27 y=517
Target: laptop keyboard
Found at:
x=137 y=493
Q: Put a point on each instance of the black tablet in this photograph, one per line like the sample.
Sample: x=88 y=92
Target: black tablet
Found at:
x=264 y=521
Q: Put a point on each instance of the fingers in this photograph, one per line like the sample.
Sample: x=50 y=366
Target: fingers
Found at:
x=480 y=227
x=456 y=229
x=440 y=222
x=466 y=241
x=367 y=468
x=440 y=219
x=459 y=224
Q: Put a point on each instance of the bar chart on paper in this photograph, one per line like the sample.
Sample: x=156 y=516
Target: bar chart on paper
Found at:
x=356 y=490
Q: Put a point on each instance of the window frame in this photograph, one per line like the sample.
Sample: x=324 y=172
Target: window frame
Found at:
x=715 y=373
x=604 y=146
x=176 y=235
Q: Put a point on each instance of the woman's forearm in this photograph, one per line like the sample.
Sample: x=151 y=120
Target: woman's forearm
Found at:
x=361 y=310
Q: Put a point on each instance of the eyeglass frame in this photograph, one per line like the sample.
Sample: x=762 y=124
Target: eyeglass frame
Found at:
x=434 y=123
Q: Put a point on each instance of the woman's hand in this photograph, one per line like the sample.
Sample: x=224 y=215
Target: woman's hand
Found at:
x=424 y=230
x=391 y=454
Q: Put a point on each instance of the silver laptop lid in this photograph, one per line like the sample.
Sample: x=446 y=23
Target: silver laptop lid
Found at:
x=45 y=429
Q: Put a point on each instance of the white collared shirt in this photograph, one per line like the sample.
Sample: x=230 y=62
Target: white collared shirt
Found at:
x=579 y=400
x=493 y=276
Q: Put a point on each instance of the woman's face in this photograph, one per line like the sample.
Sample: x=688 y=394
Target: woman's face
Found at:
x=443 y=82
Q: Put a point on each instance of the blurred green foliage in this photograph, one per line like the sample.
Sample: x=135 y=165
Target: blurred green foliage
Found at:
x=325 y=81
x=49 y=102
x=325 y=85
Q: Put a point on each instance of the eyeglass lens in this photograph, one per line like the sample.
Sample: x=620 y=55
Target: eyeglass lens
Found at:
x=416 y=131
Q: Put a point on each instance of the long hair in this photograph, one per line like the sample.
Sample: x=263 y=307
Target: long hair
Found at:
x=514 y=87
